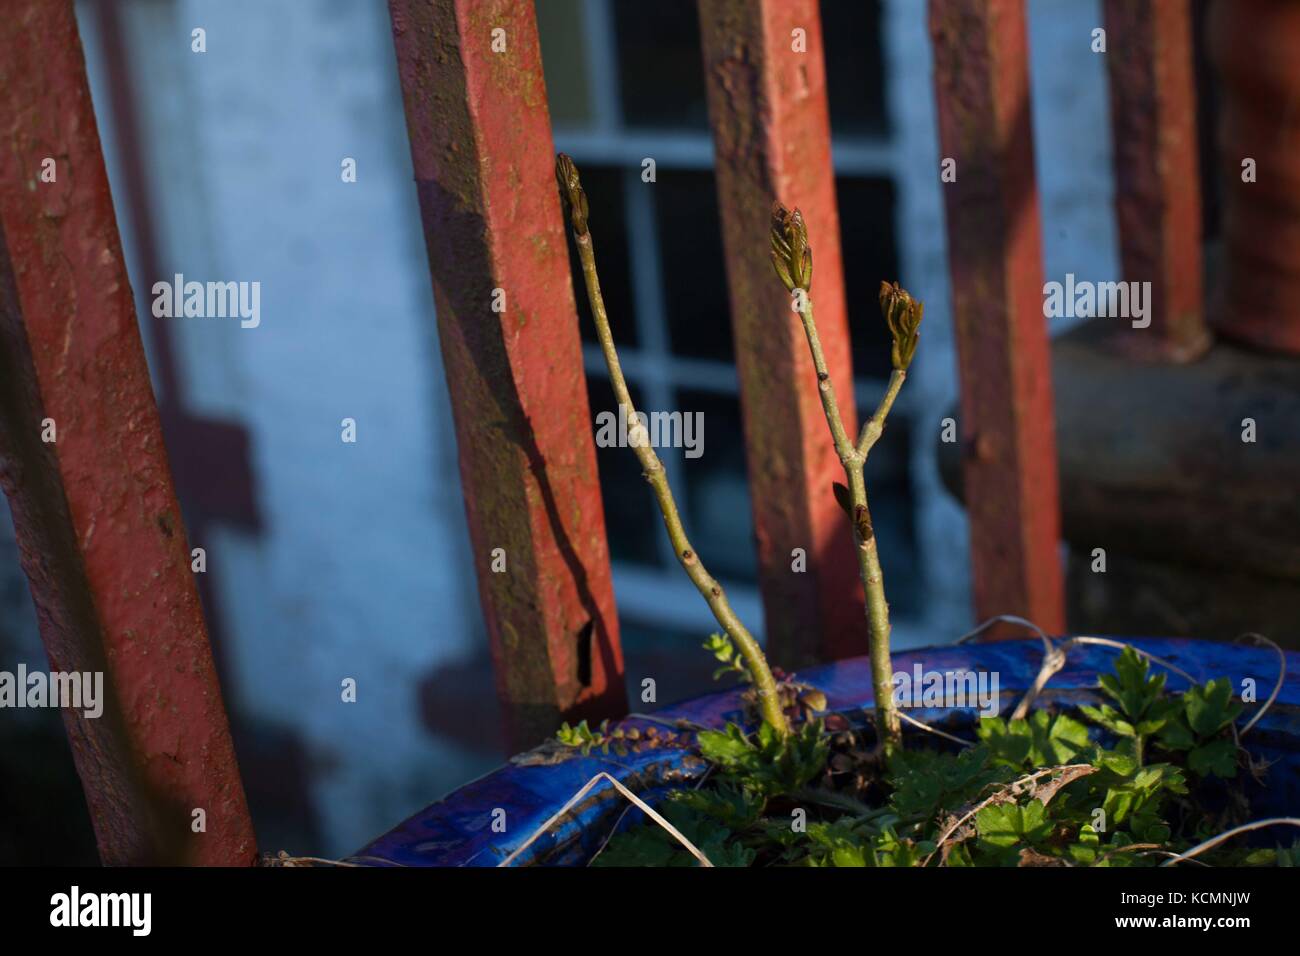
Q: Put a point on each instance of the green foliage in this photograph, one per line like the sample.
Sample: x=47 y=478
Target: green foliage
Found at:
x=1143 y=709
x=1086 y=848
x=1043 y=740
x=580 y=737
x=652 y=845
x=844 y=845
x=720 y=646
x=1210 y=708
x=586 y=739
x=853 y=842
x=1278 y=856
x=1004 y=826
x=1132 y=794
x=767 y=764
x=926 y=782
x=841 y=843
x=1200 y=726
x=1034 y=792
x=1140 y=697
x=731 y=805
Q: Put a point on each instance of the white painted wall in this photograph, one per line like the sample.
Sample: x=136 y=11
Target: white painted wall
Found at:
x=364 y=568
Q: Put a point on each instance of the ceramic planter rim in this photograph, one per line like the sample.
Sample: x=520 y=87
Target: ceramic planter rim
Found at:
x=458 y=830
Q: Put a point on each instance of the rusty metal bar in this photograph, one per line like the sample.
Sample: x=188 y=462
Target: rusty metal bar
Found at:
x=477 y=116
x=771 y=133
x=995 y=259
x=98 y=525
x=1252 y=45
x=1157 y=176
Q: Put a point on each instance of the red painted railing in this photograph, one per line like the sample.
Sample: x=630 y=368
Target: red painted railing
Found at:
x=82 y=461
x=981 y=70
x=97 y=518
x=481 y=144
x=771 y=131
x=1153 y=123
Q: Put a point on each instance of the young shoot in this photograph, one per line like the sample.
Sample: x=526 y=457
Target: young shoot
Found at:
x=769 y=699
x=792 y=259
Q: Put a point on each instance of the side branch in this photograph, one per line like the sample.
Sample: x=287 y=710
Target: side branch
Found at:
x=769 y=699
x=874 y=426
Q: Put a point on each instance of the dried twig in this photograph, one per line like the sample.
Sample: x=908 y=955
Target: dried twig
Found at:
x=1121 y=645
x=1003 y=619
x=573 y=801
x=1054 y=657
x=1129 y=848
x=933 y=730
x=1277 y=687
x=283 y=858
x=1229 y=834
x=628 y=809
x=1012 y=791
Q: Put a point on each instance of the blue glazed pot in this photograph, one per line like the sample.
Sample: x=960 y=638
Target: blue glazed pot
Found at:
x=458 y=830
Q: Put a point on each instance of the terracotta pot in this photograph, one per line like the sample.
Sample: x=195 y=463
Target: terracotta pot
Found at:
x=1254 y=46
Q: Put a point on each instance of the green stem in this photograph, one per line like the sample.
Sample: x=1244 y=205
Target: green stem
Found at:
x=849 y=456
x=769 y=699
x=853 y=458
x=875 y=425
x=873 y=584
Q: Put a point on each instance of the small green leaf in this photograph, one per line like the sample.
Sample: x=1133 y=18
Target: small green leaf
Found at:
x=1210 y=708
x=926 y=781
x=1006 y=824
x=1176 y=735
x=1108 y=717
x=1217 y=758
x=729 y=748
x=727 y=803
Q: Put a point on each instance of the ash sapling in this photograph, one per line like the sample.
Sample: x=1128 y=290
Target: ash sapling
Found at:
x=792 y=259
x=1039 y=788
x=769 y=699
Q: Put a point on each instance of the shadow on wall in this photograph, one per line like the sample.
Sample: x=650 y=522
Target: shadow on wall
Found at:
x=43 y=818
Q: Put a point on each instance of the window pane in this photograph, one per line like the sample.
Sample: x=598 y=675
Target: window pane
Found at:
x=870 y=257
x=661 y=70
x=677 y=662
x=855 y=75
x=632 y=519
x=694 y=271
x=604 y=187
x=717 y=493
x=562 y=33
